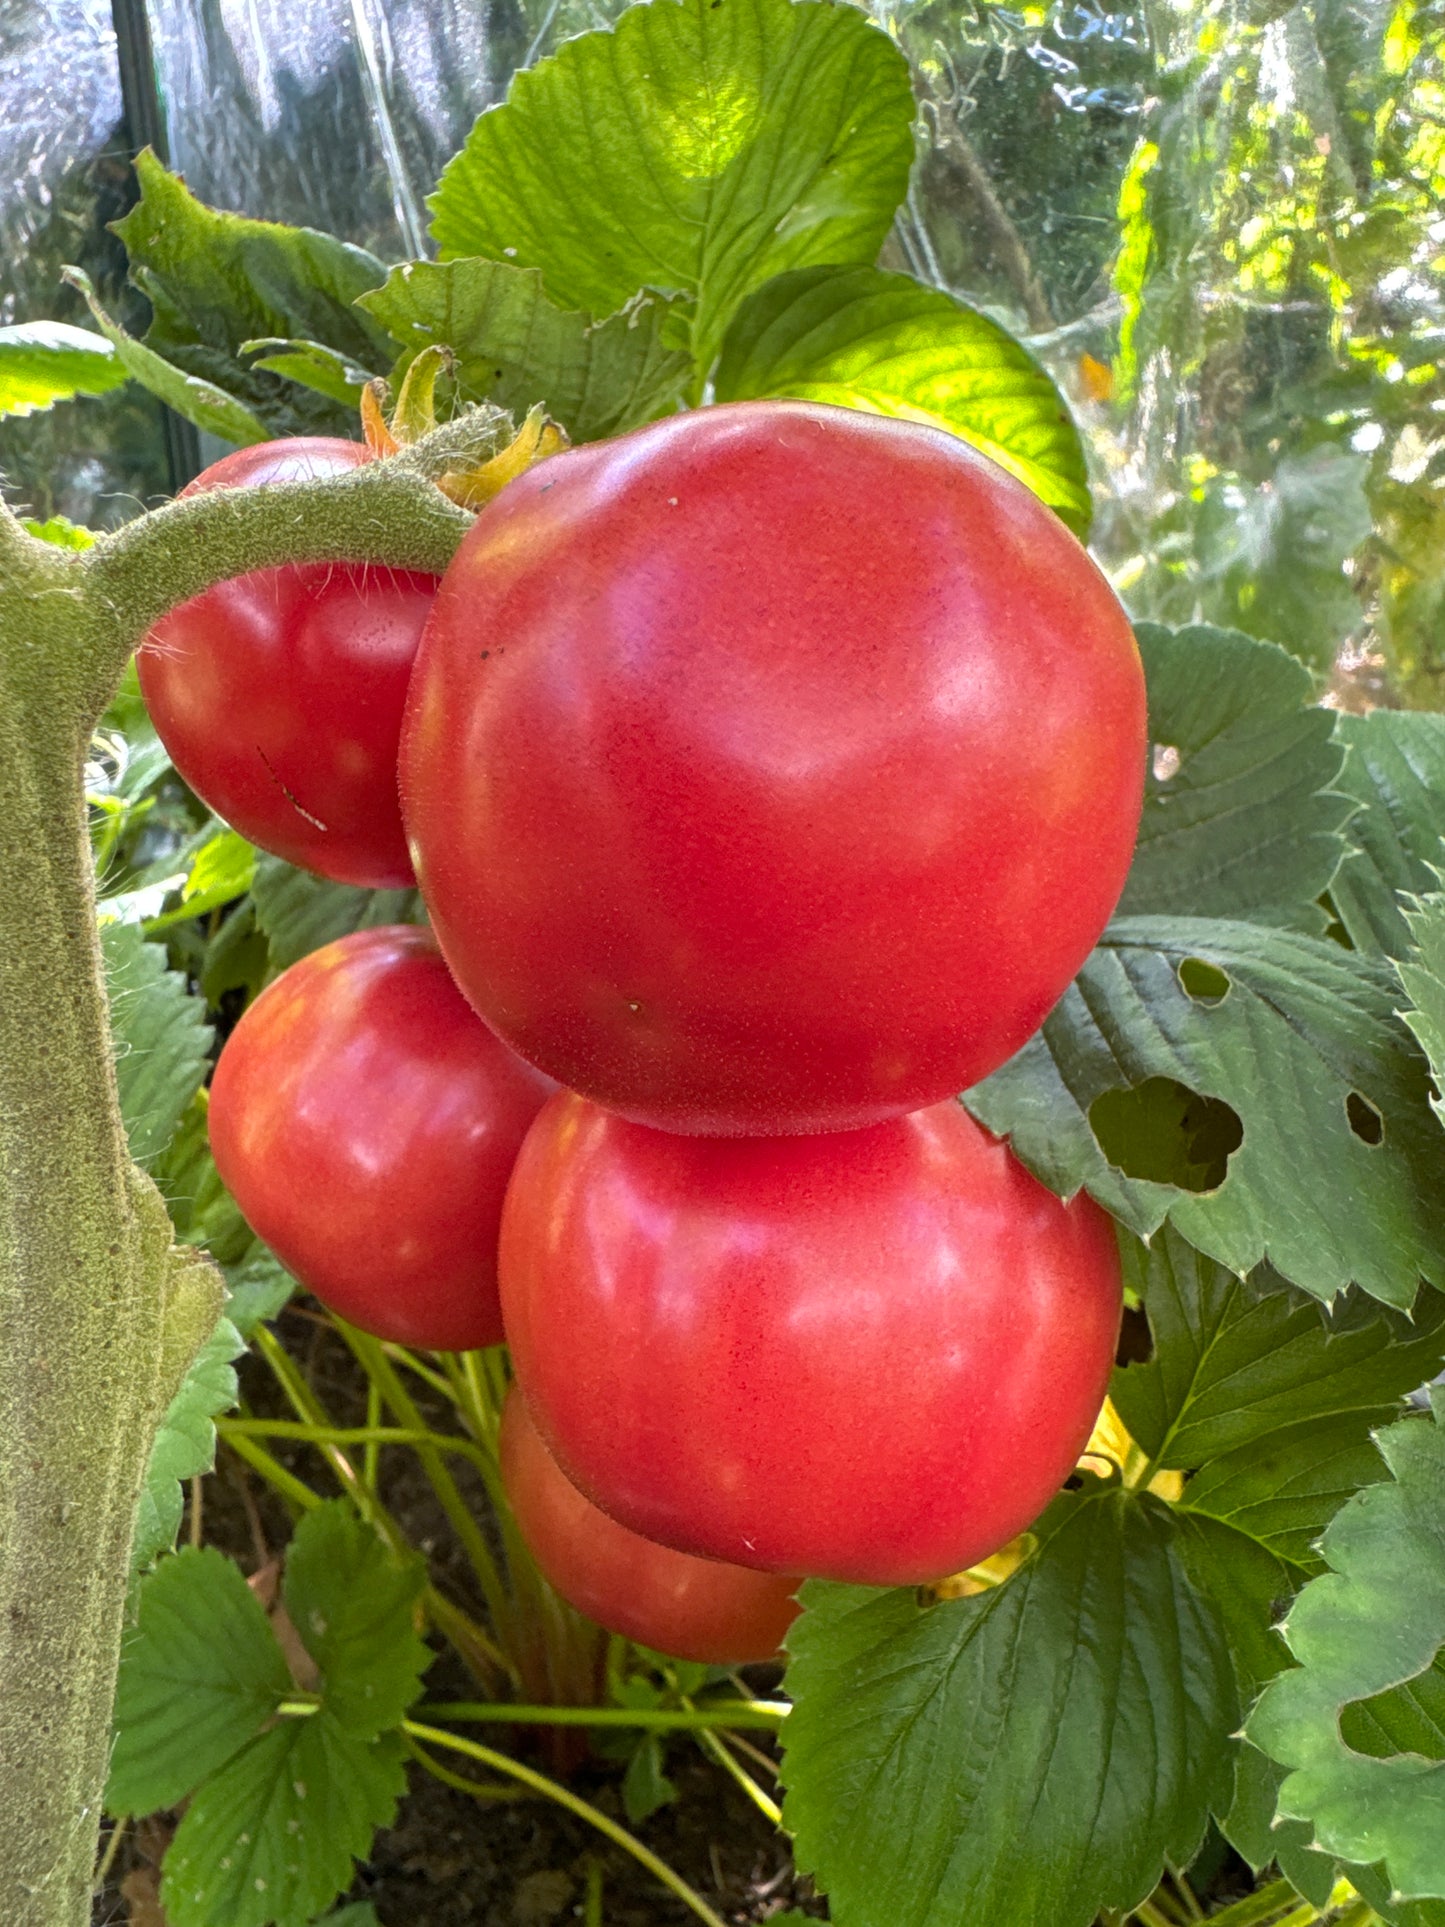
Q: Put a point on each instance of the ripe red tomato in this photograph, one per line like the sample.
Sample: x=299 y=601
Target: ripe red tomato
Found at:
x=772 y=768
x=692 y=1608
x=367 y=1122
x=279 y=694
x=871 y=1356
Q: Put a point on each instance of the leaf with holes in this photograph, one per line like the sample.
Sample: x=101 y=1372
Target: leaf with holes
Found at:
x=185 y=1445
x=1360 y=1719
x=299 y=912
x=200 y=1675
x=1244 y=819
x=1396 y=770
x=276 y=1834
x=1083 y=1706
x=699 y=147
x=162 y=1039
x=43 y=362
x=1273 y=1399
x=354 y=1603
x=513 y=346
x=1422 y=974
x=1339 y=1176
x=860 y=338
x=216 y=281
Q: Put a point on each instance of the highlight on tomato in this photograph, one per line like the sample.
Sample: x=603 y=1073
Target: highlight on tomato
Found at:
x=279 y=694
x=772 y=768
x=702 y=1609
x=872 y=1356
x=367 y=1121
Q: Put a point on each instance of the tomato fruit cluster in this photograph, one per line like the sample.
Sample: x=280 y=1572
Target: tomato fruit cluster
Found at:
x=767 y=774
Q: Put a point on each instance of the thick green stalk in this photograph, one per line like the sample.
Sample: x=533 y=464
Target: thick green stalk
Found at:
x=99 y=1317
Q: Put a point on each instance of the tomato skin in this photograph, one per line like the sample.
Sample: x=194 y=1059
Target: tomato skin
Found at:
x=772 y=768
x=366 y=1122
x=692 y=1608
x=873 y=1356
x=279 y=694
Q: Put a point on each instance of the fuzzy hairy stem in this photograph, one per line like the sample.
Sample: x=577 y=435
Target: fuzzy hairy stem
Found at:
x=99 y=1315
x=383 y=511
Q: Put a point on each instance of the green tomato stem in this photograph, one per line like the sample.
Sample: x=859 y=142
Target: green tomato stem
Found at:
x=374 y=1362
x=724 y=1714
x=716 y=1751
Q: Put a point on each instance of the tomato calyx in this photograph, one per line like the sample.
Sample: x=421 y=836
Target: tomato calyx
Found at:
x=472 y=484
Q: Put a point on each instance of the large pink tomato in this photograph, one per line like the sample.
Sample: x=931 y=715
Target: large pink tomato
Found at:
x=367 y=1122
x=279 y=694
x=771 y=769
x=693 y=1608
x=873 y=1356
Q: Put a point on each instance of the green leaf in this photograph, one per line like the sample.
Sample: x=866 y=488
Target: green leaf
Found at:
x=275 y=1835
x=645 y=1786
x=258 y=1288
x=43 y=362
x=1396 y=770
x=1283 y=1491
x=1234 y=1359
x=300 y=912
x=217 y=281
x=699 y=147
x=860 y=338
x=1340 y=1177
x=1274 y=1399
x=354 y=1605
x=313 y=365
x=161 y=1036
x=1245 y=820
x=203 y=402
x=1423 y=978
x=362 y=1914
x=185 y=1445
x=199 y=1677
x=202 y=1209
x=515 y=347
x=1375 y=1623
x=222 y=870
x=1029 y=1754
x=1373 y=1885
x=60 y=533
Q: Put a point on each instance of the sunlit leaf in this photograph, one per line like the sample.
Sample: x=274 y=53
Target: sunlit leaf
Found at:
x=699 y=147
x=860 y=338
x=43 y=362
